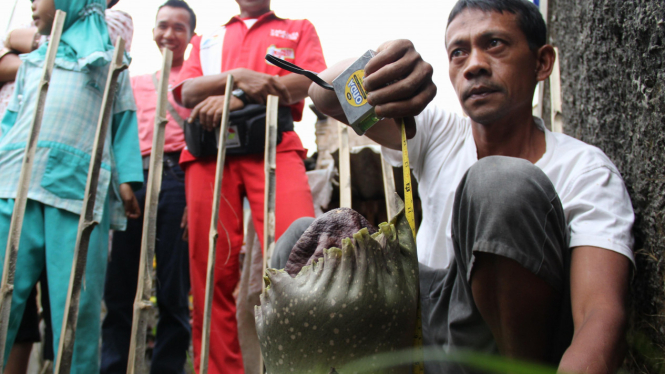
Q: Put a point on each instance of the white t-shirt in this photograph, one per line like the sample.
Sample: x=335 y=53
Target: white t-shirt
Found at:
x=594 y=198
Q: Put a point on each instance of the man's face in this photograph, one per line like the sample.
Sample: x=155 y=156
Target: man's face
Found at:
x=253 y=6
x=172 y=30
x=491 y=66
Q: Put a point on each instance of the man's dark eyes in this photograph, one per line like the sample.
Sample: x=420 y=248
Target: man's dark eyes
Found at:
x=495 y=42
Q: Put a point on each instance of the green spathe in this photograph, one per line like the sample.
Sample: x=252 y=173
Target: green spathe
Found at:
x=354 y=302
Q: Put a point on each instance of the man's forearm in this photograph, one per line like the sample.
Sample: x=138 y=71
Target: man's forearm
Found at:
x=598 y=346
x=326 y=100
x=198 y=89
x=290 y=88
x=297 y=85
x=22 y=40
x=9 y=65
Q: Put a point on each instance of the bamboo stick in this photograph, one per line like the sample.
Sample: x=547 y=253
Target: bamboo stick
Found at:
x=142 y=304
x=389 y=188
x=270 y=164
x=11 y=19
x=86 y=222
x=344 y=167
x=555 y=95
x=14 y=237
x=214 y=234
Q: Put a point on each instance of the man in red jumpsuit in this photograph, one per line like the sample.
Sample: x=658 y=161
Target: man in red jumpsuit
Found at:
x=239 y=48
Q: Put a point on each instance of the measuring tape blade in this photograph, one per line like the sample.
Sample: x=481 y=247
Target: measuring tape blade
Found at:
x=418 y=362
x=408 y=194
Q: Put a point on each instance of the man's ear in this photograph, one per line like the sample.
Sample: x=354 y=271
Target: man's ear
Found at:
x=545 y=57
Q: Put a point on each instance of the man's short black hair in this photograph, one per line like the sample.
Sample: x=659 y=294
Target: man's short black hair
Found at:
x=112 y=4
x=182 y=5
x=530 y=20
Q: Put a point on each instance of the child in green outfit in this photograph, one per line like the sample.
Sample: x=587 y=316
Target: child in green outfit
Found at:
x=60 y=169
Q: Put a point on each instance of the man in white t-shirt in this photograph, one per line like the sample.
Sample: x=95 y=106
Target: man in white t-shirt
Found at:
x=526 y=243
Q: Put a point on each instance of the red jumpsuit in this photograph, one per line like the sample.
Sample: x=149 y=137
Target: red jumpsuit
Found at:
x=297 y=41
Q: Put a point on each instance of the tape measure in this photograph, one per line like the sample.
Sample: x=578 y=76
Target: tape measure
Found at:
x=419 y=360
x=408 y=194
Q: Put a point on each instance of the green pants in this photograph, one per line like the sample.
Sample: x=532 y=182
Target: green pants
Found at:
x=47 y=241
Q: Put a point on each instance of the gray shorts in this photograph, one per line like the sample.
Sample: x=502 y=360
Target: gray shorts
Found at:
x=503 y=206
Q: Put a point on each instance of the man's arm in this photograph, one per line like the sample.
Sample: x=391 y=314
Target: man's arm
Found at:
x=256 y=85
x=598 y=287
x=22 y=40
x=18 y=41
x=9 y=65
x=292 y=88
x=399 y=85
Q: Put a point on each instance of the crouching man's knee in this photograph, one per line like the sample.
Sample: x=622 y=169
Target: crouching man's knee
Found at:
x=507 y=206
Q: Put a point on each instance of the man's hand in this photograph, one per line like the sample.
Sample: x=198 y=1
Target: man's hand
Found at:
x=399 y=85
x=184 y=226
x=132 y=209
x=398 y=81
x=259 y=85
x=210 y=111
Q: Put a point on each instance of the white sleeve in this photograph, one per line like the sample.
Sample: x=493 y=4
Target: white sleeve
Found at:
x=599 y=212
x=433 y=127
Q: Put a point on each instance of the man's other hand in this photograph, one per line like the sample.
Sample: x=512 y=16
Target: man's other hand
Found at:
x=398 y=81
x=259 y=85
x=210 y=111
x=132 y=209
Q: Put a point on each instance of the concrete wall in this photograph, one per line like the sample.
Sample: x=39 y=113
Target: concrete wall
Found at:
x=613 y=78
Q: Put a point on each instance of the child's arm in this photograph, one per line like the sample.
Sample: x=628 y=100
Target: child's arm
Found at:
x=128 y=160
x=126 y=149
x=125 y=144
x=132 y=209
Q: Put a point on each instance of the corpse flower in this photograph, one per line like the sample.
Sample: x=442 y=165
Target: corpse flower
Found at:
x=349 y=301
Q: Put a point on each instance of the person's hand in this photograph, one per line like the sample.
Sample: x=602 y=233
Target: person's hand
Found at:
x=132 y=209
x=259 y=85
x=209 y=111
x=398 y=81
x=184 y=226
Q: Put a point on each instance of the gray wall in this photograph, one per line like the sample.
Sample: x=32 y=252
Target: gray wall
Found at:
x=613 y=78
